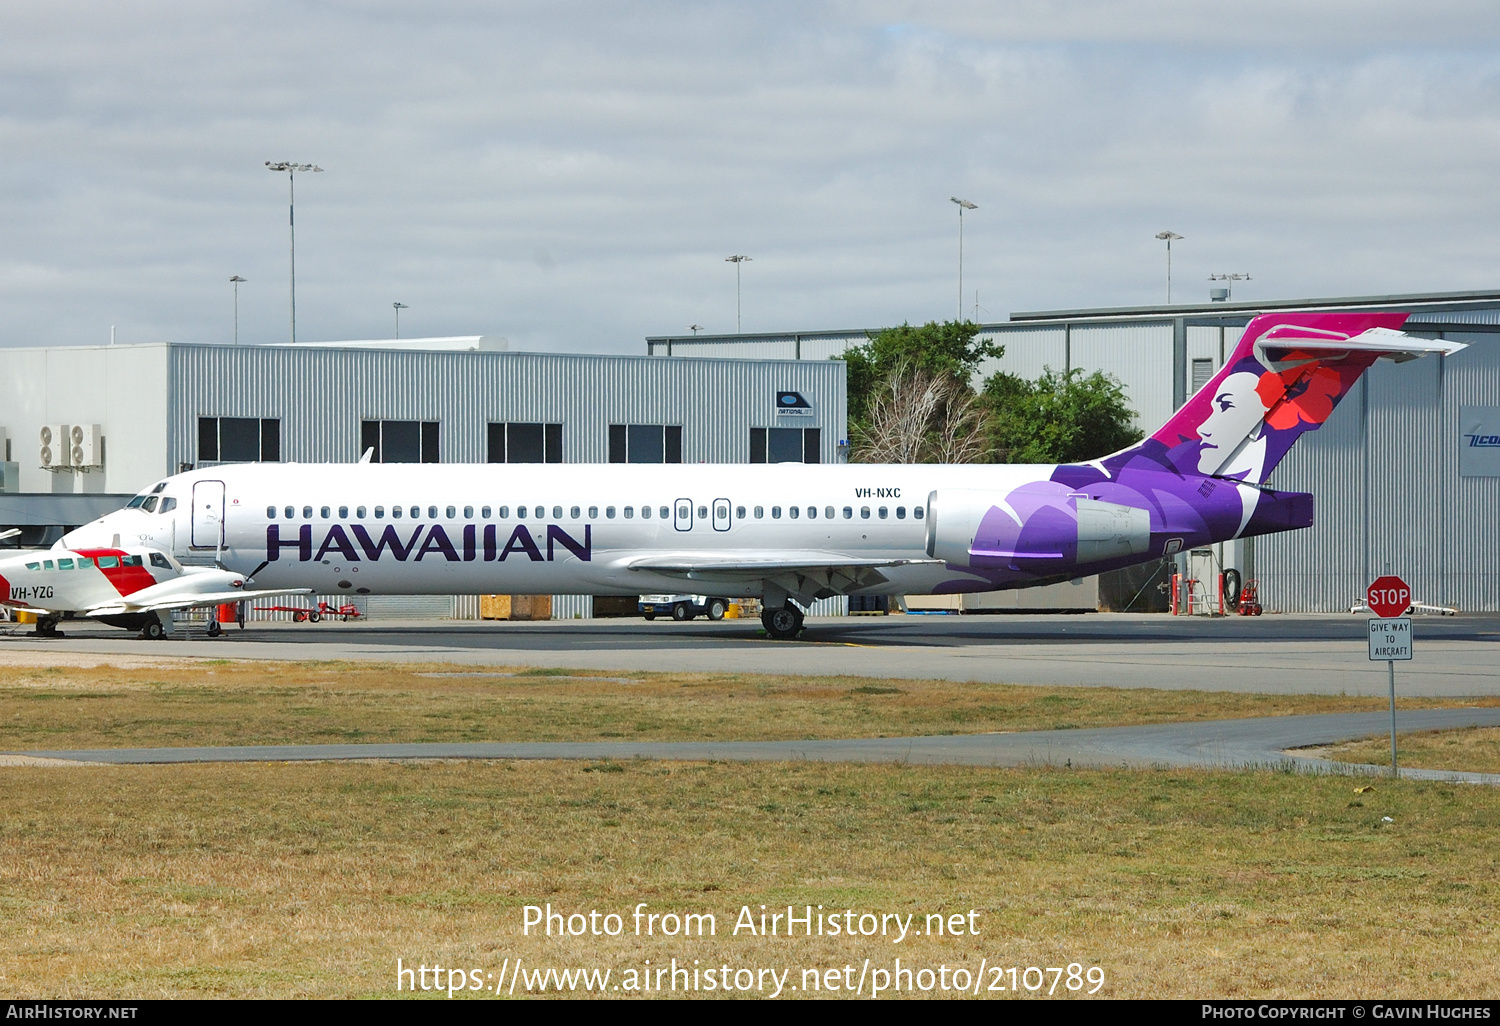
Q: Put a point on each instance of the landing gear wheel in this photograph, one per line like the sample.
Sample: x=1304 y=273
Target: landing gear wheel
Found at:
x=315 y=616
x=680 y=612
x=716 y=609
x=48 y=628
x=153 y=630
x=214 y=630
x=783 y=624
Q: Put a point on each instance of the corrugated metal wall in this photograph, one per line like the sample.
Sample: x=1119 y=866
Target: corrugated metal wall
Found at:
x=1139 y=356
x=321 y=395
x=1390 y=498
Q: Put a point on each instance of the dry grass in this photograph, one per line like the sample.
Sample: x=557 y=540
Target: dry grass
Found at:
x=312 y=879
x=1474 y=749
x=220 y=702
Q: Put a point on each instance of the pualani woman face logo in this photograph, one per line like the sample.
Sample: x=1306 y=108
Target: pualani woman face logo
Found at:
x=1235 y=415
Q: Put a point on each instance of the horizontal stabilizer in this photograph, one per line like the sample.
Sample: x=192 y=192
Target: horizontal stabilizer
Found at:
x=1283 y=344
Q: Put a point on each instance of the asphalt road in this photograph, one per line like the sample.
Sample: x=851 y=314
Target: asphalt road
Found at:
x=1216 y=744
x=1279 y=654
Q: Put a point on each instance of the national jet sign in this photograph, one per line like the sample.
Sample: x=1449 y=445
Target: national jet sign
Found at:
x=1479 y=441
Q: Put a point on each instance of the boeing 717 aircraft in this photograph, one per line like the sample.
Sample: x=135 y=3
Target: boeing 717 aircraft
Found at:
x=788 y=533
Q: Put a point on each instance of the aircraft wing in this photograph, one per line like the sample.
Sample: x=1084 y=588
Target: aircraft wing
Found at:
x=805 y=574
x=132 y=604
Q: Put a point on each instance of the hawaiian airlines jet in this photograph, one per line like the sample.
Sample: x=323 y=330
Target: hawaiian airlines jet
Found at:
x=789 y=533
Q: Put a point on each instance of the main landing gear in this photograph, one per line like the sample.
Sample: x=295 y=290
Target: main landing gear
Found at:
x=46 y=627
x=783 y=623
x=153 y=628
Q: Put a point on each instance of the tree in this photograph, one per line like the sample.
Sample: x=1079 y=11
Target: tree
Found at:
x=917 y=416
x=1058 y=418
x=910 y=397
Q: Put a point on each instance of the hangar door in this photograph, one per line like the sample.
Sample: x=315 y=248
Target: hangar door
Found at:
x=208 y=514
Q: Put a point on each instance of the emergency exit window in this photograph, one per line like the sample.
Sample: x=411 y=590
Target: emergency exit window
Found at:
x=239 y=440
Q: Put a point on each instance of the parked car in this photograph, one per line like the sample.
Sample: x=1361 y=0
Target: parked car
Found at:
x=683 y=607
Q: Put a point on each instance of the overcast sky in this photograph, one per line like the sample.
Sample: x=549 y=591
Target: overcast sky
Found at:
x=572 y=176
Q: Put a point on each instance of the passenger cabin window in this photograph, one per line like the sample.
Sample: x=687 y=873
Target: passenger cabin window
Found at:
x=739 y=512
x=760 y=511
x=524 y=443
x=108 y=562
x=468 y=512
x=289 y=513
x=775 y=512
x=395 y=512
x=520 y=512
x=792 y=512
x=884 y=513
x=645 y=512
x=629 y=512
x=557 y=513
x=65 y=564
x=379 y=512
x=848 y=512
x=593 y=512
x=609 y=512
x=343 y=512
x=238 y=440
x=399 y=441
x=864 y=512
x=574 y=512
x=645 y=443
x=900 y=512
x=484 y=512
x=504 y=513
x=917 y=512
x=132 y=560
x=325 y=512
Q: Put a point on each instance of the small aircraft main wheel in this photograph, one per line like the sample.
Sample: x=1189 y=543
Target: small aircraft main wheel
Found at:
x=153 y=630
x=680 y=612
x=214 y=630
x=315 y=616
x=783 y=624
x=717 y=609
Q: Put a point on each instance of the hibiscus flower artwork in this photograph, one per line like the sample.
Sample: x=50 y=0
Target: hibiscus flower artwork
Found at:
x=1306 y=394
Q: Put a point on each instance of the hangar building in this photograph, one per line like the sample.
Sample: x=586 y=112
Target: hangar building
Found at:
x=86 y=427
x=1401 y=484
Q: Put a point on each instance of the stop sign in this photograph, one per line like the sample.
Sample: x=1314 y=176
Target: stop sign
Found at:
x=1388 y=596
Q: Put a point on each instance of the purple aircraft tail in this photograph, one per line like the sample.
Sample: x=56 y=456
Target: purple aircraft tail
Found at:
x=1201 y=475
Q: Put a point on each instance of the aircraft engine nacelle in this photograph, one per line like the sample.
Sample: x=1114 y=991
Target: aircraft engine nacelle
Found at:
x=1032 y=528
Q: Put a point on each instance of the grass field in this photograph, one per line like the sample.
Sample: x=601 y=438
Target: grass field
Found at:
x=312 y=879
x=1476 y=750
x=214 y=702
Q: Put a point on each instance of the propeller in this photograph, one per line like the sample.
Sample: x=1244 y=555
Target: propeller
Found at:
x=250 y=577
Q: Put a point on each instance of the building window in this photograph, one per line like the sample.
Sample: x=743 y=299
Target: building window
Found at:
x=399 y=441
x=524 y=443
x=645 y=443
x=786 y=445
x=239 y=440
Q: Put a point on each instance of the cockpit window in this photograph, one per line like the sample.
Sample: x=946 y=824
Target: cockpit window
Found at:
x=131 y=561
x=168 y=504
x=150 y=504
x=157 y=559
x=158 y=488
x=137 y=501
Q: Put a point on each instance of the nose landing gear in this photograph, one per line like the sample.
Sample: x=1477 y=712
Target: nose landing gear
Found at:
x=783 y=623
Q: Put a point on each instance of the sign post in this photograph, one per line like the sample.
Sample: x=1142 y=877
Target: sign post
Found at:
x=1390 y=635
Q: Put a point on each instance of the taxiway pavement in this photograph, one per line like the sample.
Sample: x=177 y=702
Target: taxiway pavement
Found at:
x=1285 y=654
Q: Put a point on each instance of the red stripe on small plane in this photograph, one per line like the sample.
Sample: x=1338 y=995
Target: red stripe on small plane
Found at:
x=127 y=579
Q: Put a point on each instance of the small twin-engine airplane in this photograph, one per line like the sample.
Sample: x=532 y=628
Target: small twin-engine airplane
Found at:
x=789 y=533
x=123 y=587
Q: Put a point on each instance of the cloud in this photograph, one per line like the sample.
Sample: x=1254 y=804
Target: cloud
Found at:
x=573 y=175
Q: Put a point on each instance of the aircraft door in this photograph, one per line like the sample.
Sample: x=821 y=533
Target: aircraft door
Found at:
x=208 y=515
x=721 y=514
x=682 y=515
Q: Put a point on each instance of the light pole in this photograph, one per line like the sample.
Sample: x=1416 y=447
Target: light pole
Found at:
x=962 y=206
x=1167 y=237
x=736 y=260
x=695 y=328
x=235 y=281
x=398 y=307
x=291 y=170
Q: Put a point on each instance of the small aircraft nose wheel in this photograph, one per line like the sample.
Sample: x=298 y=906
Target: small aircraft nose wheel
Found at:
x=214 y=630
x=783 y=624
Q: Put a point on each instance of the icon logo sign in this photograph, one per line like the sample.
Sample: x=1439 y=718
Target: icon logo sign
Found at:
x=791 y=404
x=1388 y=596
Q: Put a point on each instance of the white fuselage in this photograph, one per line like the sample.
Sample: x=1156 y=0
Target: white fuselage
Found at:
x=547 y=528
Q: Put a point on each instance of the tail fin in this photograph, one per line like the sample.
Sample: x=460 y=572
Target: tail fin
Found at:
x=1285 y=378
